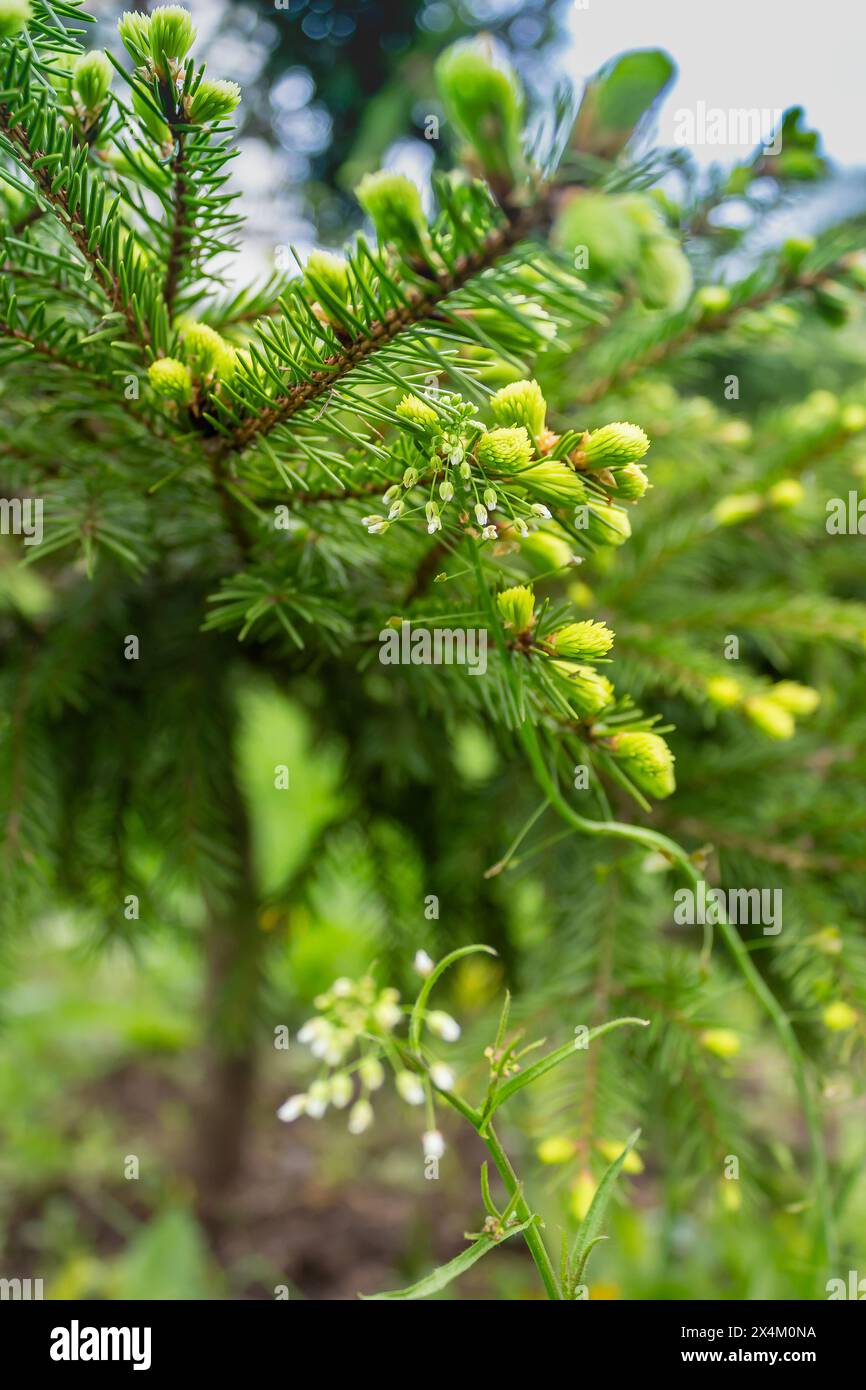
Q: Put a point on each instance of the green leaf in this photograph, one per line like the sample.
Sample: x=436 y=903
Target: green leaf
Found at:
x=454 y=1268
x=588 y=1234
x=553 y=1059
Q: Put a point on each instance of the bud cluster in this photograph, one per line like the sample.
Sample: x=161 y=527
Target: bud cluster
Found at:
x=158 y=44
x=353 y=1035
x=512 y=468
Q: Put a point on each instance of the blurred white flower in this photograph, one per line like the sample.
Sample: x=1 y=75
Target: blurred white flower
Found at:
x=317 y=1099
x=292 y=1108
x=442 y=1076
x=360 y=1116
x=443 y=1025
x=423 y=964
x=410 y=1088
x=341 y=1089
x=372 y=1073
x=387 y=1011
x=433 y=1144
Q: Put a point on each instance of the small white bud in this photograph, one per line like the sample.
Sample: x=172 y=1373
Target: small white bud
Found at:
x=341 y=1089
x=317 y=1099
x=539 y=509
x=410 y=1088
x=443 y=1025
x=423 y=964
x=372 y=1073
x=433 y=1144
x=480 y=514
x=442 y=1076
x=360 y=1116
x=292 y=1108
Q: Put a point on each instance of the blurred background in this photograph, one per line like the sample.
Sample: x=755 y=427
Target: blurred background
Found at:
x=102 y=1034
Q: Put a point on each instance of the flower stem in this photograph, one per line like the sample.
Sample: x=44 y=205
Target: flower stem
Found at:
x=531 y=1235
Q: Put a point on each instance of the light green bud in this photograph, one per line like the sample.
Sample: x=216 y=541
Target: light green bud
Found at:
x=607 y=525
x=14 y=16
x=212 y=100
x=553 y=482
x=171 y=380
x=631 y=483
x=770 y=717
x=588 y=690
x=134 y=31
x=520 y=403
x=393 y=204
x=795 y=698
x=647 y=760
x=584 y=641
x=619 y=443
x=505 y=450
x=91 y=78
x=208 y=354
x=417 y=412
x=516 y=607
x=171 y=36
x=483 y=99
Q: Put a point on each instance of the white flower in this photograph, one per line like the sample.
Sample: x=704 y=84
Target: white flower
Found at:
x=317 y=1099
x=379 y=526
x=442 y=1076
x=342 y=987
x=433 y=1144
x=443 y=1025
x=372 y=1073
x=410 y=1088
x=387 y=1011
x=539 y=509
x=309 y=1030
x=480 y=514
x=489 y=533
x=341 y=1089
x=360 y=1116
x=292 y=1108
x=423 y=964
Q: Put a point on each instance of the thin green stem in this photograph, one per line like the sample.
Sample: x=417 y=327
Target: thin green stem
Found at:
x=532 y=1236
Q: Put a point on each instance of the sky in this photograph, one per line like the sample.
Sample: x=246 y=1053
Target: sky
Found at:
x=764 y=54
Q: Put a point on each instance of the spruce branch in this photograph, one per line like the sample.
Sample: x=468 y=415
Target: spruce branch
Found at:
x=418 y=305
x=695 y=331
x=57 y=198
